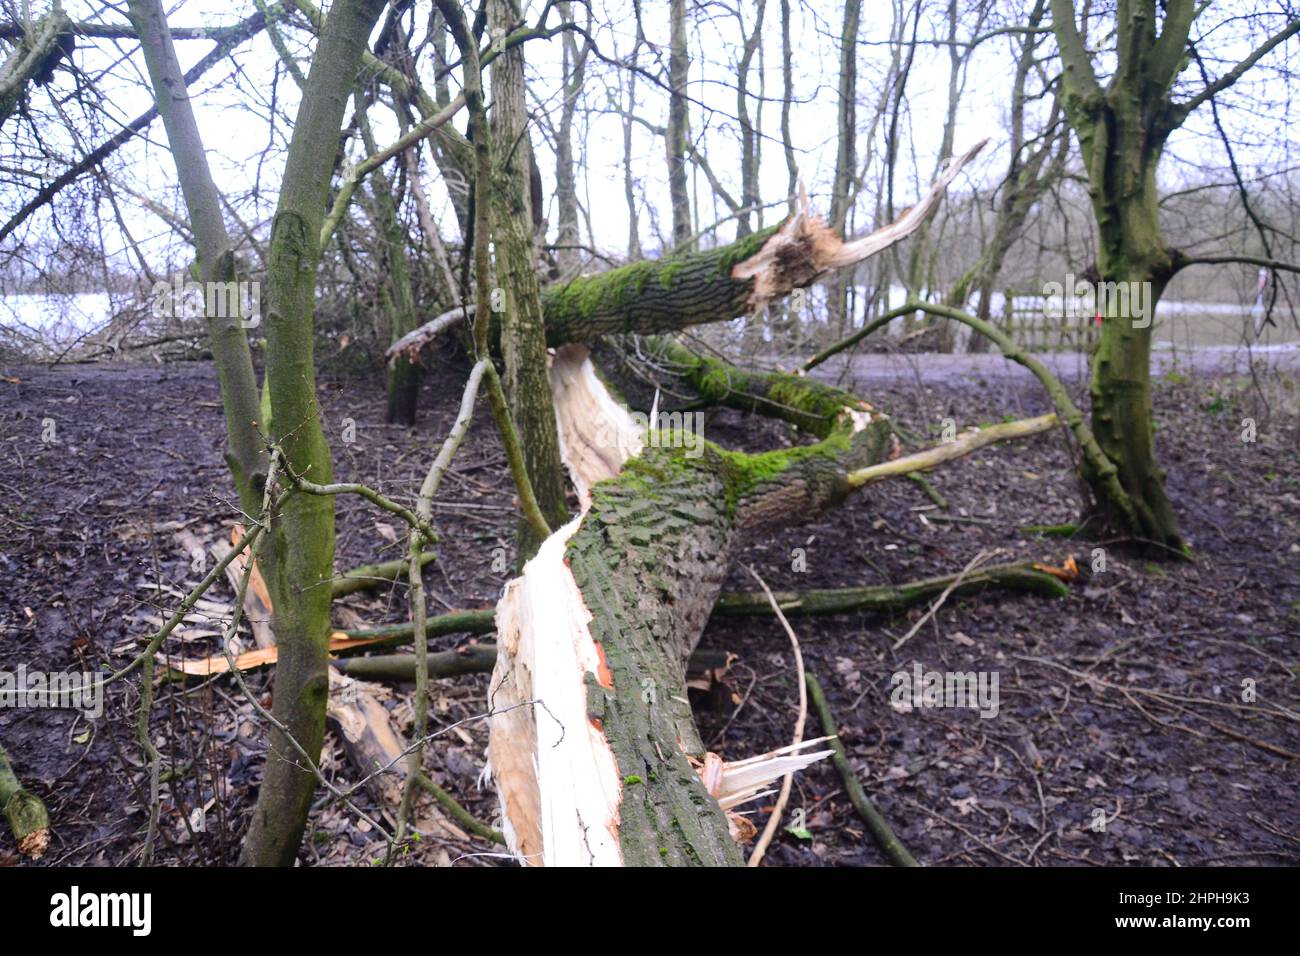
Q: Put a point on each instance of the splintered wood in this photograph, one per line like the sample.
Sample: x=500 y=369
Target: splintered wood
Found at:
x=805 y=247
x=556 y=776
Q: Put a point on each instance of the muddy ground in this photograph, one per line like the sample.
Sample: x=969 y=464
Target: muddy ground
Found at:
x=1122 y=702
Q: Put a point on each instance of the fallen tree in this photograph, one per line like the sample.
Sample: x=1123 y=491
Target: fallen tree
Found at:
x=695 y=288
x=608 y=768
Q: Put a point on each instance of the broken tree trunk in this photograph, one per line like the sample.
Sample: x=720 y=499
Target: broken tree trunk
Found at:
x=28 y=820
x=593 y=747
x=694 y=288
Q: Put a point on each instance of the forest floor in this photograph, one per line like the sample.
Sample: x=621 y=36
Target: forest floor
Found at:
x=1122 y=701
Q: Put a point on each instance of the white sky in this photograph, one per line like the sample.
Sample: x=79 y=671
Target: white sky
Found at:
x=236 y=137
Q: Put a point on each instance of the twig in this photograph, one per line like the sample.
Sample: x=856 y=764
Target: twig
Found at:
x=974 y=562
x=880 y=829
x=769 y=831
x=419 y=609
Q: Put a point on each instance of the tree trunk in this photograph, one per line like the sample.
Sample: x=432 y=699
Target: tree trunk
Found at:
x=398 y=297
x=592 y=745
x=567 y=235
x=841 y=191
x=523 y=344
x=1122 y=129
x=678 y=130
x=787 y=100
x=601 y=624
x=1121 y=399
x=719 y=284
x=302 y=535
x=663 y=295
x=750 y=159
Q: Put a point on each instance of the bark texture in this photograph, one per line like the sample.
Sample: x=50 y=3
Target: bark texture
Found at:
x=302 y=535
x=621 y=595
x=716 y=285
x=523 y=344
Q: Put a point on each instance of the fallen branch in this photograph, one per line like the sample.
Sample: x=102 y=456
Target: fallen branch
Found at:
x=372 y=575
x=412 y=342
x=458 y=813
x=880 y=829
x=943 y=596
x=371 y=742
x=1019 y=576
x=339 y=642
x=469 y=659
x=398 y=668
x=963 y=444
x=931 y=492
x=454 y=622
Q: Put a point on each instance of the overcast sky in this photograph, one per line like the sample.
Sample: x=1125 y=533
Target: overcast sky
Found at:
x=237 y=137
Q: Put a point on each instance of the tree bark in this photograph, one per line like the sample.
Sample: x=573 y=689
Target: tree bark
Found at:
x=677 y=133
x=622 y=595
x=592 y=746
x=1122 y=131
x=716 y=285
x=302 y=535
x=523 y=345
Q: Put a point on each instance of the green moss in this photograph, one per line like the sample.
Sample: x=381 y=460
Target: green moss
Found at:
x=743 y=249
x=668 y=270
x=745 y=472
x=609 y=291
x=631 y=779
